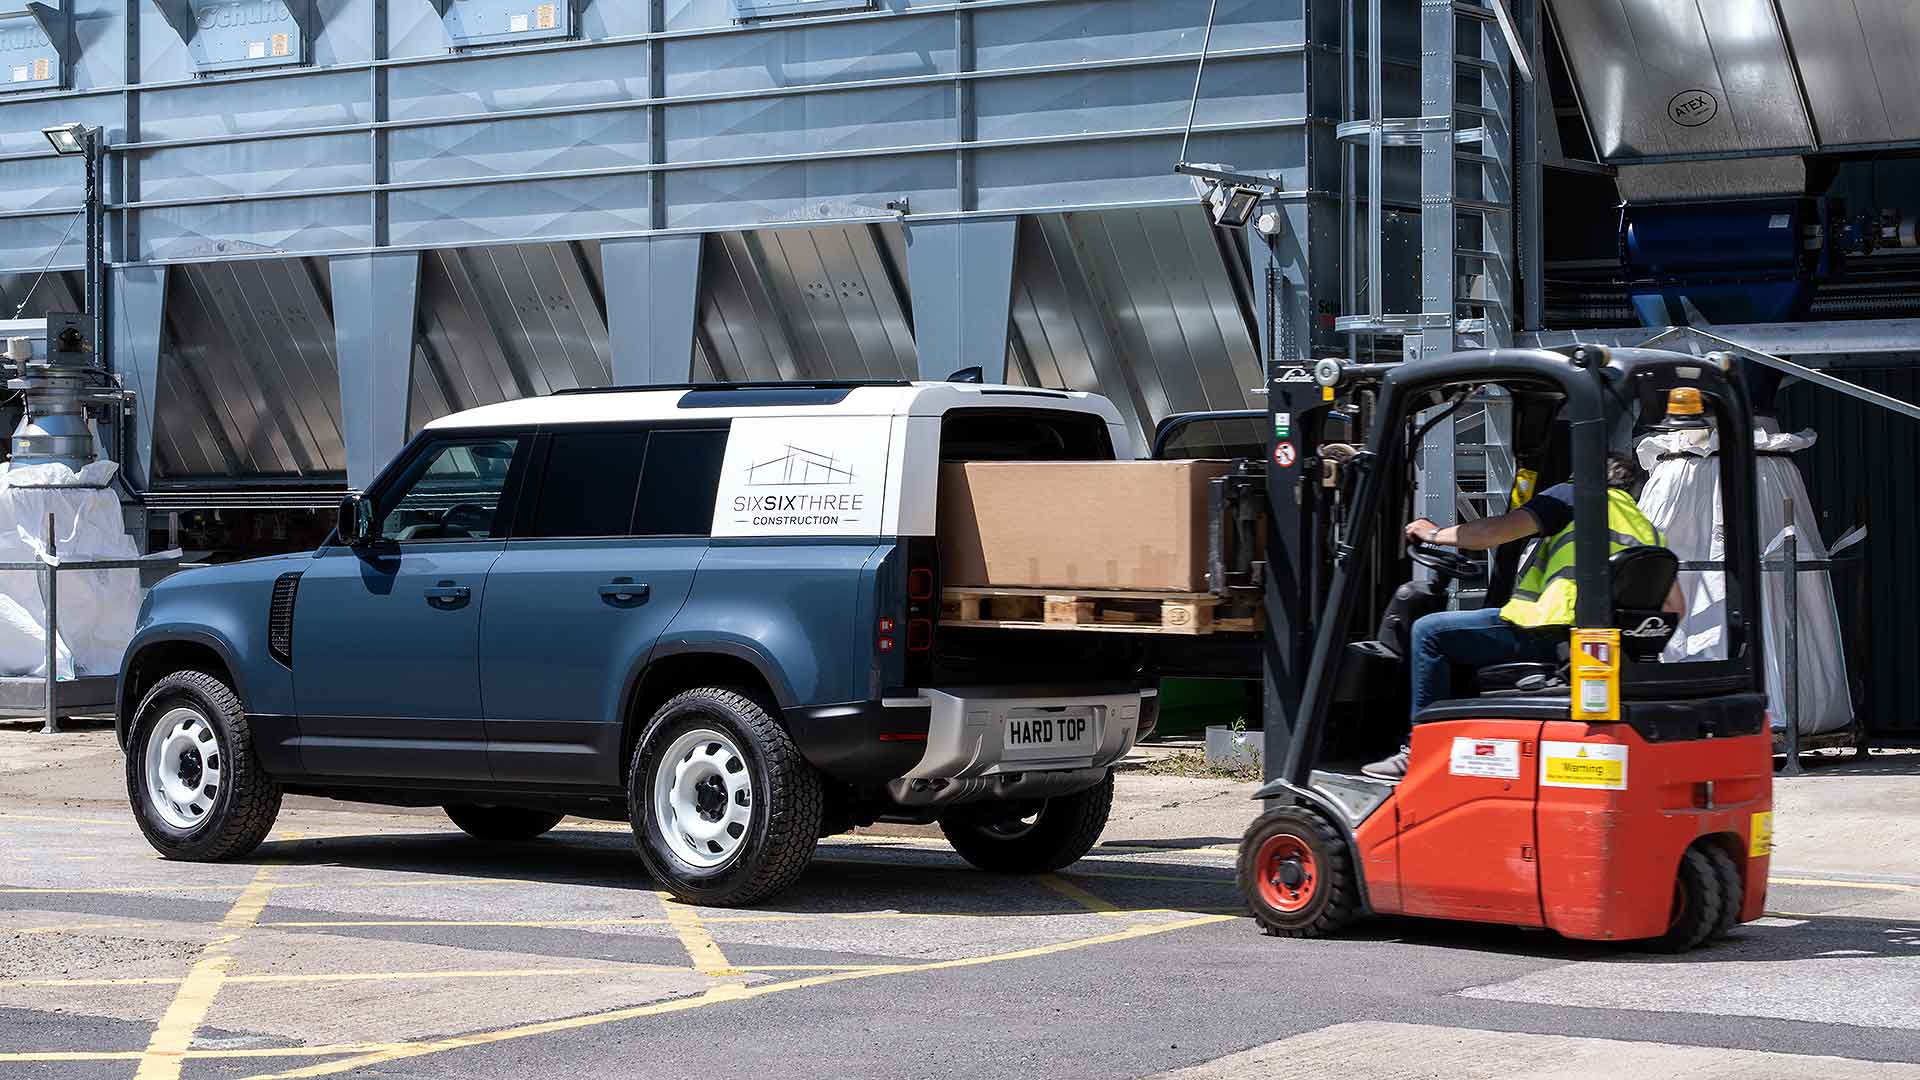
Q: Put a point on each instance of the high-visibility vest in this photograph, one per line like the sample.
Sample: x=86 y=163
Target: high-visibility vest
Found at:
x=1545 y=593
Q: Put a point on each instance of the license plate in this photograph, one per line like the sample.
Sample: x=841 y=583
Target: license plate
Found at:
x=1061 y=732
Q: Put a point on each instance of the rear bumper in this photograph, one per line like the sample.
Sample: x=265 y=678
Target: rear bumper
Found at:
x=966 y=758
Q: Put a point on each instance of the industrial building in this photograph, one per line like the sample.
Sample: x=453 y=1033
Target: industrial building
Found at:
x=327 y=222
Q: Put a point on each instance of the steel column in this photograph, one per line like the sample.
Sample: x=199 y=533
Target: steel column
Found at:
x=375 y=305
x=961 y=275
x=653 y=298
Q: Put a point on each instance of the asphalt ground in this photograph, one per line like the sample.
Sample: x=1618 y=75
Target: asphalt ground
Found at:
x=371 y=944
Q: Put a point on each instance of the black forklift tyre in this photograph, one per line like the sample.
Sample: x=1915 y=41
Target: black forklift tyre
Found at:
x=1296 y=872
x=1733 y=890
x=1063 y=830
x=197 y=788
x=725 y=808
x=501 y=824
x=1698 y=904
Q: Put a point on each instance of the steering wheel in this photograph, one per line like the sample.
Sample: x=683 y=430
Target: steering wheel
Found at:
x=468 y=517
x=1449 y=564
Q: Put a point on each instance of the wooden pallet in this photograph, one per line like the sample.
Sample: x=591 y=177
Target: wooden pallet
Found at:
x=1111 y=612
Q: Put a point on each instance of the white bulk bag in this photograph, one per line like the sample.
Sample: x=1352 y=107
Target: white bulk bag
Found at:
x=1682 y=498
x=97 y=607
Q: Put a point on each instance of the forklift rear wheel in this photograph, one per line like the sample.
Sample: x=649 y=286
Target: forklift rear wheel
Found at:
x=1697 y=904
x=1732 y=890
x=1297 y=874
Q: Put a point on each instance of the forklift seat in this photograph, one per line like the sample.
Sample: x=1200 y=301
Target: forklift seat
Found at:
x=1642 y=577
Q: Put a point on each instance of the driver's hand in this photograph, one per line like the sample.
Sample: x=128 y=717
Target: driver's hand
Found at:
x=1421 y=530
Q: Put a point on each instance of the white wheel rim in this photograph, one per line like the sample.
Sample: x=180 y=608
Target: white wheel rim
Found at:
x=703 y=798
x=184 y=765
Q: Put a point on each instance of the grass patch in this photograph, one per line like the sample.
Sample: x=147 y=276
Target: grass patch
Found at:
x=1193 y=764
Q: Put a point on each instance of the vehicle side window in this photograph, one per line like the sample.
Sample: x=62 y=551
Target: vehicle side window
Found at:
x=1227 y=437
x=451 y=492
x=1023 y=435
x=587 y=487
x=679 y=482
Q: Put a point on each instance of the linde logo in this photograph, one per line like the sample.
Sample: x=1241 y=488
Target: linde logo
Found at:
x=22 y=37
x=243 y=13
x=1651 y=626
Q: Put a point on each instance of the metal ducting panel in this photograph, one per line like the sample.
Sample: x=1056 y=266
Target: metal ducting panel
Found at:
x=498 y=323
x=1150 y=307
x=828 y=303
x=249 y=388
x=34 y=295
x=1664 y=79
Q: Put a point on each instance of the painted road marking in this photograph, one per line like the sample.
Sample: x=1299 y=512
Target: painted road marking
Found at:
x=722 y=994
x=701 y=948
x=1076 y=894
x=354 y=976
x=192 y=1001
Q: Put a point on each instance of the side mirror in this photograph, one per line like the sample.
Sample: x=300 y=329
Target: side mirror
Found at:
x=356 y=518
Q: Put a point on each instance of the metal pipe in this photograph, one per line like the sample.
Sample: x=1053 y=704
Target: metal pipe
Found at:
x=1790 y=678
x=50 y=573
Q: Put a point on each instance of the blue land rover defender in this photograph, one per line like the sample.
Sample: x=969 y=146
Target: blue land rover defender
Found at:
x=711 y=611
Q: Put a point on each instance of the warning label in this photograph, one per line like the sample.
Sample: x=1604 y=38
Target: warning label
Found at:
x=1496 y=758
x=1760 y=838
x=1283 y=455
x=1583 y=765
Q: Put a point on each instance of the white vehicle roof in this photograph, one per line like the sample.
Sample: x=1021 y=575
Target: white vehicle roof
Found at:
x=880 y=399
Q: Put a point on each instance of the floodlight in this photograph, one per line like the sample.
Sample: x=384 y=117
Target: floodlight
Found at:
x=67 y=138
x=1233 y=207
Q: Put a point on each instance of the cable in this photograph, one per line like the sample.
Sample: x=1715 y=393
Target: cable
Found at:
x=1193 y=106
x=51 y=255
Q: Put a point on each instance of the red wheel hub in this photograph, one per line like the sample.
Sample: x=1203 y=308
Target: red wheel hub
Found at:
x=1286 y=874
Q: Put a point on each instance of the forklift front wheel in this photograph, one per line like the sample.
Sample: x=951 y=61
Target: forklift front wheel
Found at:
x=1297 y=874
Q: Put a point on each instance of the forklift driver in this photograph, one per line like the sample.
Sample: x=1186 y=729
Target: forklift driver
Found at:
x=1535 y=622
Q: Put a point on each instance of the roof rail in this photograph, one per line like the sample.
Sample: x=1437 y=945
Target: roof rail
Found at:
x=796 y=384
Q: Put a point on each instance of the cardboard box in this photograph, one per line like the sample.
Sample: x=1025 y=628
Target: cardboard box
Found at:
x=1087 y=525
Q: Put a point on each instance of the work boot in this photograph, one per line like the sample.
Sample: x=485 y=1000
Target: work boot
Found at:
x=1393 y=769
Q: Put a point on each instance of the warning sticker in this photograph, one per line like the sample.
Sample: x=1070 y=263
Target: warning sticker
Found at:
x=1283 y=455
x=1496 y=758
x=1760 y=836
x=1583 y=765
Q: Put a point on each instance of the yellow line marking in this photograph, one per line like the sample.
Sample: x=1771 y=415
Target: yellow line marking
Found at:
x=695 y=938
x=813 y=967
x=1076 y=894
x=356 y=976
x=711 y=920
x=191 y=1002
x=404 y=883
x=719 y=995
x=63 y=820
x=323 y=1050
x=1878 y=886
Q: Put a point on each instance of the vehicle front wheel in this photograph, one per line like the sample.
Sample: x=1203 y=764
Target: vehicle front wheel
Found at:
x=1297 y=874
x=502 y=824
x=1050 y=836
x=196 y=786
x=725 y=808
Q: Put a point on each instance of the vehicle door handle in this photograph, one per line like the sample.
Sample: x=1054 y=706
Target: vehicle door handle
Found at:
x=625 y=592
x=447 y=596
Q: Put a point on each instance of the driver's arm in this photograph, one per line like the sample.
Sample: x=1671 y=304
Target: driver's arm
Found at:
x=1477 y=535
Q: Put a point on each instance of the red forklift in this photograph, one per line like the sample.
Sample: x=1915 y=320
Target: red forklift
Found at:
x=1608 y=797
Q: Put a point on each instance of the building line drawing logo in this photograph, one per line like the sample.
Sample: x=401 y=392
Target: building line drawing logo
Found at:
x=799 y=466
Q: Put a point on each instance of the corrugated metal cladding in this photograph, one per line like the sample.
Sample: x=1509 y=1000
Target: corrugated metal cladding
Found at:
x=1147 y=306
x=1861 y=472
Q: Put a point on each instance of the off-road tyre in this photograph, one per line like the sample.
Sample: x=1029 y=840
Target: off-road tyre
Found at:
x=1698 y=902
x=502 y=824
x=245 y=802
x=1065 y=828
x=786 y=793
x=1324 y=895
x=1733 y=889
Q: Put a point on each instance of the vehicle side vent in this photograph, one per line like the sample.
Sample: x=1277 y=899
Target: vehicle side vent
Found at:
x=280 y=617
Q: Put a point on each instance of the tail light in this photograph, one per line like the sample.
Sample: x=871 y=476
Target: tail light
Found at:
x=922 y=608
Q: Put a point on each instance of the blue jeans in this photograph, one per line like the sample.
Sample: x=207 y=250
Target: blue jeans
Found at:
x=1445 y=639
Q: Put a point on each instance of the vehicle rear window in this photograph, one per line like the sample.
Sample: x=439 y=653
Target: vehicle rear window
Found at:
x=588 y=486
x=678 y=484
x=1024 y=435
x=1226 y=437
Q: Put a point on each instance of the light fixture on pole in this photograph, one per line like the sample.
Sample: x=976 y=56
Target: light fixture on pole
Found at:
x=84 y=140
x=69 y=138
x=1232 y=206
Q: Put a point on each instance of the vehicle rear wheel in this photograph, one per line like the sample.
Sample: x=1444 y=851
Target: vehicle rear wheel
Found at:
x=1697 y=904
x=197 y=789
x=1050 y=836
x=726 y=810
x=1733 y=890
x=502 y=824
x=1297 y=874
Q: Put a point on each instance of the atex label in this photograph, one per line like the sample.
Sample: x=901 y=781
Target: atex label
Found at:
x=1760 y=838
x=1583 y=765
x=1496 y=758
